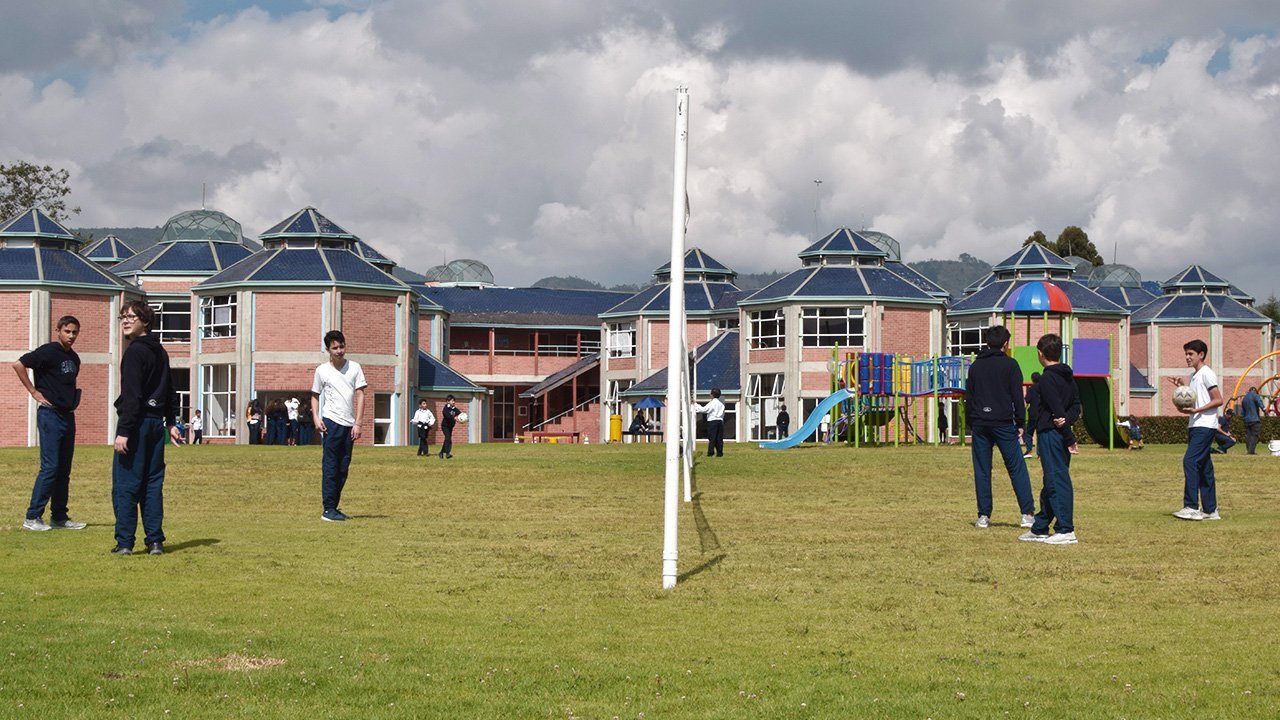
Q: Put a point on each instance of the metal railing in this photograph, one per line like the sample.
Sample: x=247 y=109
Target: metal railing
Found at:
x=532 y=426
x=587 y=348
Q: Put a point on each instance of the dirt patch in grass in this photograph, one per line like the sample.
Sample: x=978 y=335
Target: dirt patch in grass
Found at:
x=234 y=662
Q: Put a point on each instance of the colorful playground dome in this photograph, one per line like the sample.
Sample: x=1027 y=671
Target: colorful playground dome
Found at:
x=1040 y=296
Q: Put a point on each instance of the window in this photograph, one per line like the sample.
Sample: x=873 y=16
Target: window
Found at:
x=382 y=409
x=725 y=325
x=965 y=337
x=730 y=421
x=218 y=316
x=622 y=340
x=218 y=398
x=172 y=323
x=181 y=379
x=768 y=329
x=828 y=326
x=614 y=397
x=504 y=410
x=764 y=395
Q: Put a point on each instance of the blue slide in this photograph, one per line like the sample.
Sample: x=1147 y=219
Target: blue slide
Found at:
x=810 y=425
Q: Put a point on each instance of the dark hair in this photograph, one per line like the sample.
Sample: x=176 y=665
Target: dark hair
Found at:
x=144 y=312
x=1051 y=347
x=997 y=336
x=1035 y=377
x=332 y=336
x=422 y=401
x=1196 y=346
x=448 y=397
x=67 y=320
x=715 y=392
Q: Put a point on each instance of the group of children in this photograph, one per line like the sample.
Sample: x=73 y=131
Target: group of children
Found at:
x=996 y=402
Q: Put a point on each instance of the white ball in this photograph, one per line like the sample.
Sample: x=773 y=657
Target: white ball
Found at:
x=1184 y=397
x=462 y=417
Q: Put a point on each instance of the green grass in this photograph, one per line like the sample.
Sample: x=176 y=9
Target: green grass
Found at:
x=524 y=582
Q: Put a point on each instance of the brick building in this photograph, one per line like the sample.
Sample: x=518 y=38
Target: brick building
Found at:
x=42 y=278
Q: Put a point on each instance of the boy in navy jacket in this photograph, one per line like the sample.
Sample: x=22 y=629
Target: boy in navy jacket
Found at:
x=1059 y=408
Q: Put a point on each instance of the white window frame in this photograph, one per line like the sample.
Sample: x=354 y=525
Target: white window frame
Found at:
x=821 y=327
x=966 y=337
x=768 y=329
x=622 y=340
x=763 y=402
x=218 y=316
x=215 y=385
x=383 y=422
x=171 y=307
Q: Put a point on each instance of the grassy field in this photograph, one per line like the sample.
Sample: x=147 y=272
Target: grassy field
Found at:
x=524 y=582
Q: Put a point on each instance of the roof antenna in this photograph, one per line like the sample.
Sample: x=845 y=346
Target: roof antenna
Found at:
x=202 y=190
x=817 y=199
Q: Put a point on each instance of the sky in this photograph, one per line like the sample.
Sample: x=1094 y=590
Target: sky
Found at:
x=538 y=135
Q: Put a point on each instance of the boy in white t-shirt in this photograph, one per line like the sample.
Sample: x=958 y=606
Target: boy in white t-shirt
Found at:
x=337 y=398
x=1199 y=495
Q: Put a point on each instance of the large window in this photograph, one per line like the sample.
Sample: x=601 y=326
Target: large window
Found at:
x=504 y=412
x=218 y=316
x=172 y=322
x=613 y=398
x=622 y=340
x=827 y=326
x=730 y=422
x=768 y=329
x=218 y=398
x=965 y=337
x=764 y=396
x=383 y=407
x=181 y=379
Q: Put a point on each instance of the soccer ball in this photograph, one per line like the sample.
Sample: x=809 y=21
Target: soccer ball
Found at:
x=1184 y=398
x=462 y=417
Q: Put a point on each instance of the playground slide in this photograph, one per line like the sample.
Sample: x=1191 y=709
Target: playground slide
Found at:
x=811 y=423
x=1095 y=406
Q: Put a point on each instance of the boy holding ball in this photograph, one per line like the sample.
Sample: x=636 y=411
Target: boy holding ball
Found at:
x=1199 y=495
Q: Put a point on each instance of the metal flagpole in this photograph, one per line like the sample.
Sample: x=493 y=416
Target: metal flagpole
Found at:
x=675 y=351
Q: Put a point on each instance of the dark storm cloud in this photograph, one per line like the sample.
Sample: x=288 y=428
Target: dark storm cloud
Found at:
x=170 y=173
x=46 y=36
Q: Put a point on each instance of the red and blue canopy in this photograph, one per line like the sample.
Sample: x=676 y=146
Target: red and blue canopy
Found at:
x=1037 y=297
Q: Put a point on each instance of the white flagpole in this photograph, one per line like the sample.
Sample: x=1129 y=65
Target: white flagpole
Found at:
x=675 y=351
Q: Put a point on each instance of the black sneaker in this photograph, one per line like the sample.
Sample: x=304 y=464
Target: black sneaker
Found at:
x=155 y=549
x=332 y=516
x=342 y=515
x=118 y=550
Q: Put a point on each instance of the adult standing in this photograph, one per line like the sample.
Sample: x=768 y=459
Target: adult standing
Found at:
x=340 y=382
x=1251 y=408
x=714 y=410
x=996 y=410
x=783 y=421
x=423 y=419
x=448 y=420
x=1200 y=492
x=55 y=367
x=147 y=403
x=253 y=414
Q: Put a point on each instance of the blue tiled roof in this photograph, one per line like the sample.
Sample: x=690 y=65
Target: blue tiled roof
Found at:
x=57 y=266
x=366 y=252
x=991 y=299
x=1137 y=381
x=189 y=257
x=915 y=277
x=700 y=298
x=435 y=375
x=306 y=223
x=34 y=224
x=696 y=262
x=1197 y=307
x=716 y=365
x=840 y=282
x=304 y=266
x=1195 y=277
x=1034 y=255
x=843 y=242
x=108 y=249
x=980 y=283
x=1130 y=298
x=531 y=307
x=555 y=380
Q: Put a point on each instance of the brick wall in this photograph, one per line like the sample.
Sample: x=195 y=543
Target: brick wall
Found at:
x=277 y=377
x=153 y=285
x=94 y=314
x=768 y=355
x=15 y=321
x=369 y=323
x=217 y=345
x=92 y=417
x=905 y=331
x=287 y=322
x=1138 y=343
x=1240 y=347
x=811 y=382
x=1172 y=338
x=1097 y=328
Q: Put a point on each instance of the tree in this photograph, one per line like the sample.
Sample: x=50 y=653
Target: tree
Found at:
x=24 y=186
x=1038 y=238
x=1271 y=308
x=1075 y=241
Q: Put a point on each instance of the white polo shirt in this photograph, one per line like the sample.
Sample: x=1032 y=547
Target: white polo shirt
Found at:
x=1202 y=381
x=337 y=388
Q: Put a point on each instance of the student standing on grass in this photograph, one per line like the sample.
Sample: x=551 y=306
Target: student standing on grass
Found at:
x=783 y=422
x=423 y=420
x=56 y=367
x=197 y=428
x=1199 y=493
x=714 y=410
x=996 y=410
x=1251 y=409
x=1059 y=407
x=147 y=403
x=1033 y=405
x=291 y=408
x=341 y=383
x=448 y=419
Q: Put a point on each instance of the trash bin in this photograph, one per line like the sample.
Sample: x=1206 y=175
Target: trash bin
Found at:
x=615 y=428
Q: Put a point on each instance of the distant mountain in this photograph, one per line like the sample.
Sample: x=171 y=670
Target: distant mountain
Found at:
x=953 y=275
x=138 y=238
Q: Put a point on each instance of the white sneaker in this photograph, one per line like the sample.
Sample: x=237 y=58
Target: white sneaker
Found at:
x=1029 y=536
x=1028 y=520
x=983 y=521
x=1028 y=455
x=37 y=524
x=1189 y=513
x=1211 y=516
x=1061 y=539
x=68 y=524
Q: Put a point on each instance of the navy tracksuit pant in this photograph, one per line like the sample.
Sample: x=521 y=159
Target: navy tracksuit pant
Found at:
x=335 y=462
x=1057 y=497
x=137 y=483
x=1005 y=437
x=57 y=429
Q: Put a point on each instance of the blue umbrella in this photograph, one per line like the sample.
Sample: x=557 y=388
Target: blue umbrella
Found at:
x=649 y=402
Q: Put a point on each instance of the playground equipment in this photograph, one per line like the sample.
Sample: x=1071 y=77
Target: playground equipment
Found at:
x=1262 y=386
